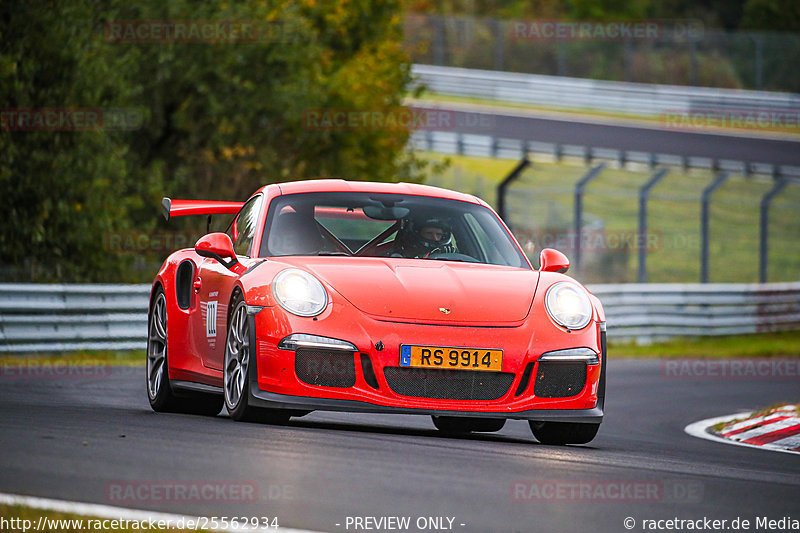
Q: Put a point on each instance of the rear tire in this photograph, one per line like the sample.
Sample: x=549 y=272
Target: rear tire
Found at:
x=563 y=432
x=460 y=424
x=159 y=389
x=236 y=373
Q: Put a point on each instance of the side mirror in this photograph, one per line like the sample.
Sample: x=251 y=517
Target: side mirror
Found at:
x=217 y=246
x=551 y=260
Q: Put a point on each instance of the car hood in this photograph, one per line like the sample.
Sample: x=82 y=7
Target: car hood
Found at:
x=428 y=290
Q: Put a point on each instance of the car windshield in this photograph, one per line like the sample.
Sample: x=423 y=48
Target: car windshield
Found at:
x=387 y=225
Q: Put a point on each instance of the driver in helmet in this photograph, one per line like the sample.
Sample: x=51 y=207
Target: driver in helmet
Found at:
x=421 y=239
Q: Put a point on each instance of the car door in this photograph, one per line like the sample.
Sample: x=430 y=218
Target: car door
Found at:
x=213 y=285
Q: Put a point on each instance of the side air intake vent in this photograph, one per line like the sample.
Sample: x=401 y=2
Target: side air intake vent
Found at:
x=526 y=377
x=183 y=284
x=368 y=371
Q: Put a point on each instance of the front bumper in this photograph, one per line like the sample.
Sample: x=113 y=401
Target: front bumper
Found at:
x=270 y=400
x=292 y=394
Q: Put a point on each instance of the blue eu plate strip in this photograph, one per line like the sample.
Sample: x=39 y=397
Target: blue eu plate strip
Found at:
x=405 y=356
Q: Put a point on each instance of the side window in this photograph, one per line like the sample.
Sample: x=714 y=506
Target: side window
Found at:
x=488 y=247
x=246 y=226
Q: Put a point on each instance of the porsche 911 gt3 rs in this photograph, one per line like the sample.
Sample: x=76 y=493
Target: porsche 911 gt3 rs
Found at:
x=377 y=298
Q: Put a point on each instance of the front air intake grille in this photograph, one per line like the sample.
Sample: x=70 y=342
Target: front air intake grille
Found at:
x=448 y=384
x=326 y=368
x=559 y=379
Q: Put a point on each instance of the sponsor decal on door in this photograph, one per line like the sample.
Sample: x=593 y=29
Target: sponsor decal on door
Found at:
x=211 y=319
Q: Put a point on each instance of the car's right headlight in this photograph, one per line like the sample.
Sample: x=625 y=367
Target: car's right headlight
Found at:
x=299 y=292
x=568 y=304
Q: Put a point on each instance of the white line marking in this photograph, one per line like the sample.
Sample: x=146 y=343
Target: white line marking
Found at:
x=698 y=429
x=110 y=512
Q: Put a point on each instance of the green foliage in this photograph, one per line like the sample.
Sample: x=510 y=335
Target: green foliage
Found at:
x=218 y=118
x=765 y=15
x=492 y=8
x=609 y=9
x=60 y=190
x=772 y=15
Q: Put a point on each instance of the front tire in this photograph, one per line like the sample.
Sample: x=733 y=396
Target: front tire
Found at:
x=563 y=432
x=159 y=389
x=236 y=372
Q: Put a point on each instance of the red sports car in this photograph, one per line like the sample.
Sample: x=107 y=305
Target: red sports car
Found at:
x=378 y=298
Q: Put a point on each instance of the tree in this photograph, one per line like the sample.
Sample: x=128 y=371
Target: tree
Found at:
x=214 y=117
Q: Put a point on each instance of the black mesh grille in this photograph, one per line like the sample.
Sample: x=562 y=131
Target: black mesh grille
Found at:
x=448 y=384
x=559 y=380
x=369 y=373
x=325 y=367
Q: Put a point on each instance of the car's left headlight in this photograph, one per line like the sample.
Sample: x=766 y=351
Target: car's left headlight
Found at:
x=299 y=292
x=569 y=305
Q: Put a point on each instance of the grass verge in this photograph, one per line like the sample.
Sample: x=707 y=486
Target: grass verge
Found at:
x=779 y=344
x=84 y=357
x=22 y=519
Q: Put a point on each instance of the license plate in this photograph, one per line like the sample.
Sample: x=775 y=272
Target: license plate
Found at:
x=452 y=358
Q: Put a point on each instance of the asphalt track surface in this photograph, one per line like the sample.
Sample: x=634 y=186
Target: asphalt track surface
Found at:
x=606 y=133
x=74 y=438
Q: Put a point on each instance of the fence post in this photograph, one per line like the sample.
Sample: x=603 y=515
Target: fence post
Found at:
x=644 y=192
x=499 y=44
x=580 y=187
x=439 y=42
x=763 y=252
x=561 y=58
x=759 y=67
x=627 y=60
x=501 y=189
x=704 y=223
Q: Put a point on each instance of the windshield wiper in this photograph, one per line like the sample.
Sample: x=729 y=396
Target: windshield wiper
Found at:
x=326 y=252
x=462 y=259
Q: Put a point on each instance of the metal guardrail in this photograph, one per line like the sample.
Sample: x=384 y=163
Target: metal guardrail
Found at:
x=658 y=311
x=612 y=96
x=449 y=142
x=57 y=318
